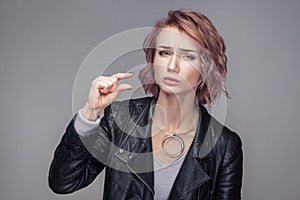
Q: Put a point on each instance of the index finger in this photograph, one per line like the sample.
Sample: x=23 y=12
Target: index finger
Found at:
x=120 y=76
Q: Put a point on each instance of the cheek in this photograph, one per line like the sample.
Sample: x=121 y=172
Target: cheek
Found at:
x=192 y=68
x=157 y=69
x=158 y=75
x=158 y=65
x=156 y=72
x=193 y=75
x=158 y=60
x=195 y=79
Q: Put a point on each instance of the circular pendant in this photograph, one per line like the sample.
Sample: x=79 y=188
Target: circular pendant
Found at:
x=178 y=138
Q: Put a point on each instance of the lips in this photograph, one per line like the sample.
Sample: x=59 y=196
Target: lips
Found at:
x=171 y=81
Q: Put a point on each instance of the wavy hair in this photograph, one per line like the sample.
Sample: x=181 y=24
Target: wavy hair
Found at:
x=213 y=58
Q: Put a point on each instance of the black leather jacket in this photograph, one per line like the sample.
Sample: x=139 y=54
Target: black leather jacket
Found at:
x=212 y=168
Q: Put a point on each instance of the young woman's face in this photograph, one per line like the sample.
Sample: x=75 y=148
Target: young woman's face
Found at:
x=176 y=62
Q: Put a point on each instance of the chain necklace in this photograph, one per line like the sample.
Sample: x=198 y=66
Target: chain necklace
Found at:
x=175 y=136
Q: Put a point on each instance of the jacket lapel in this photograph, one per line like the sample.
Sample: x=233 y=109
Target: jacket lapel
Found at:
x=186 y=182
x=139 y=141
x=192 y=175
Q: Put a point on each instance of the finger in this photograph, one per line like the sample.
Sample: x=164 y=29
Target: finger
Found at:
x=107 y=90
x=120 y=76
x=101 y=85
x=119 y=89
x=124 y=86
x=106 y=85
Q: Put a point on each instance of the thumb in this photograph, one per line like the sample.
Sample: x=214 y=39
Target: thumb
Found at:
x=119 y=89
x=122 y=87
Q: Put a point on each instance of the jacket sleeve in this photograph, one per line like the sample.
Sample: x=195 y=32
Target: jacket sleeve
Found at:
x=73 y=166
x=230 y=180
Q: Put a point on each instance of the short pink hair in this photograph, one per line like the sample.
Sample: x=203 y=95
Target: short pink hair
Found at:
x=213 y=58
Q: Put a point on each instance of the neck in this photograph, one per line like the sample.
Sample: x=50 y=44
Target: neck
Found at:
x=175 y=112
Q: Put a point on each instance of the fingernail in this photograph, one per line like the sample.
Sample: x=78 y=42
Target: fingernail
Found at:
x=131 y=72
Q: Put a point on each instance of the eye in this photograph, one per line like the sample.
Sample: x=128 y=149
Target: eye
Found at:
x=164 y=53
x=188 y=57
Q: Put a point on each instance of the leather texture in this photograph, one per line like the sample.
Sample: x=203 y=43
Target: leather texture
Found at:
x=212 y=169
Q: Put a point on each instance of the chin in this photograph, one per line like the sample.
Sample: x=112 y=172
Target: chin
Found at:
x=173 y=90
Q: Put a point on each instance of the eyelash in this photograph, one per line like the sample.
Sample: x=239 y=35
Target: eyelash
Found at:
x=165 y=53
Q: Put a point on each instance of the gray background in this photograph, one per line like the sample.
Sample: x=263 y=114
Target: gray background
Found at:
x=43 y=43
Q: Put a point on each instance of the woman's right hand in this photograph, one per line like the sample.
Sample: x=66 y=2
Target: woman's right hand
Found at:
x=103 y=91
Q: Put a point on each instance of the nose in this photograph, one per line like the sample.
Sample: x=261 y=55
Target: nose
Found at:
x=173 y=65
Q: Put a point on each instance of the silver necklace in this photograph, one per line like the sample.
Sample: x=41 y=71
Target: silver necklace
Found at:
x=179 y=140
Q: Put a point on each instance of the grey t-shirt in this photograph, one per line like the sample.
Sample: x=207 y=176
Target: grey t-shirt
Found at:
x=164 y=177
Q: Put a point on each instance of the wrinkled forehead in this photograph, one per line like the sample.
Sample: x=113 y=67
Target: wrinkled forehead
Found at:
x=172 y=37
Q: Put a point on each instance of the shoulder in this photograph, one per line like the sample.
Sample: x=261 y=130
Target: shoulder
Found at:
x=219 y=138
x=230 y=144
x=230 y=137
x=219 y=130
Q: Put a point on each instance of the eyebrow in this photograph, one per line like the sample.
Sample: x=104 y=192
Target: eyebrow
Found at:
x=184 y=50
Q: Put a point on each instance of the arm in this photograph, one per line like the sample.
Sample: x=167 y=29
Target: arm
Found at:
x=230 y=180
x=73 y=166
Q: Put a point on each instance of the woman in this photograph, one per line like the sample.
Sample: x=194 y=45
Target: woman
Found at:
x=161 y=147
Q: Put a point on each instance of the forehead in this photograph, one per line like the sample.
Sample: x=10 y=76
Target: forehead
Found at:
x=172 y=37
